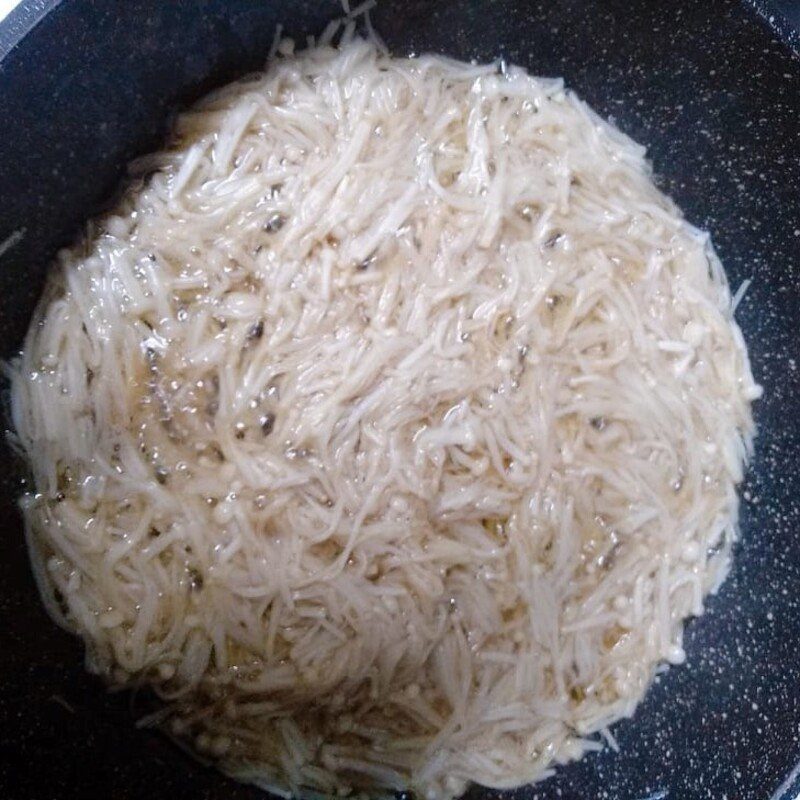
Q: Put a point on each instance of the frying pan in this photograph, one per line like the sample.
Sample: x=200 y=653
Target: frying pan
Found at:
x=712 y=87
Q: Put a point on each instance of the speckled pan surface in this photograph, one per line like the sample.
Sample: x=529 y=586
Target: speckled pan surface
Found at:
x=712 y=92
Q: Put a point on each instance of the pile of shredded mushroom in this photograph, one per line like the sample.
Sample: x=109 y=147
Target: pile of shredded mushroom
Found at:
x=389 y=428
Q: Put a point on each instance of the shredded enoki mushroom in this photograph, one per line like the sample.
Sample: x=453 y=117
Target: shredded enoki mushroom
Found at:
x=389 y=428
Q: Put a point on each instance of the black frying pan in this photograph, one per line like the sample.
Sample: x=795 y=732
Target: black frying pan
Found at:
x=710 y=86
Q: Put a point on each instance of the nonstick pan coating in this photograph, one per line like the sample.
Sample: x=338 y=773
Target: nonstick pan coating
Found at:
x=712 y=92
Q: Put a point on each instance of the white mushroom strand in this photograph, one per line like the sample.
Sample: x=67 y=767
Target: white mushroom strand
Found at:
x=389 y=428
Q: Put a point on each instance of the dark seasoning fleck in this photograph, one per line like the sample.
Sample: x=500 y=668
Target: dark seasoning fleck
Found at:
x=716 y=99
